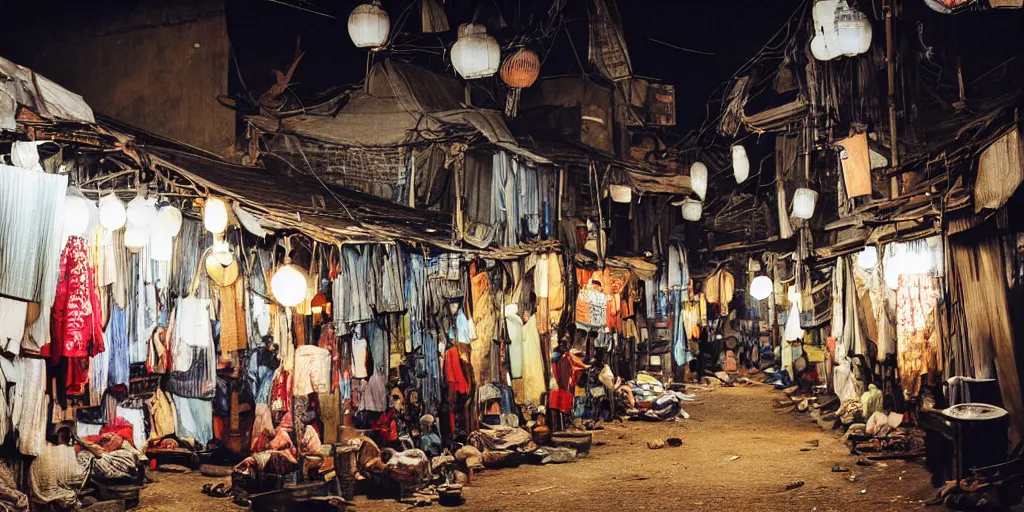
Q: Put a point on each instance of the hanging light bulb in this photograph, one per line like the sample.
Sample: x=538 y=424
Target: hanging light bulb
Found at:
x=135 y=237
x=288 y=285
x=168 y=221
x=369 y=25
x=692 y=210
x=215 y=215
x=761 y=287
x=475 y=54
x=141 y=211
x=318 y=303
x=868 y=258
x=740 y=163
x=76 y=215
x=112 y=212
x=804 y=200
x=620 y=193
x=699 y=179
x=160 y=246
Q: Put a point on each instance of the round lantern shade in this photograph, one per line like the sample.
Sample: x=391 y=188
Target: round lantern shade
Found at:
x=135 y=237
x=160 y=245
x=868 y=258
x=76 y=215
x=288 y=285
x=761 y=287
x=318 y=303
x=853 y=30
x=804 y=200
x=141 y=211
x=168 y=221
x=112 y=212
x=740 y=163
x=821 y=50
x=620 y=193
x=692 y=210
x=215 y=215
x=699 y=179
x=521 y=69
x=368 y=26
x=475 y=54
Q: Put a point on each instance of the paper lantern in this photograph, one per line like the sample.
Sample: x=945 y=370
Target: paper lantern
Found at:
x=135 y=237
x=761 y=287
x=141 y=211
x=215 y=215
x=521 y=69
x=160 y=246
x=820 y=49
x=853 y=30
x=699 y=179
x=288 y=285
x=804 y=200
x=112 y=212
x=740 y=163
x=168 y=221
x=620 y=193
x=76 y=215
x=692 y=210
x=825 y=44
x=475 y=54
x=368 y=25
x=868 y=258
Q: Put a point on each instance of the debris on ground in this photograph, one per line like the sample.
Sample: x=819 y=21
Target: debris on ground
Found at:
x=734 y=457
x=839 y=469
x=674 y=442
x=655 y=444
x=795 y=484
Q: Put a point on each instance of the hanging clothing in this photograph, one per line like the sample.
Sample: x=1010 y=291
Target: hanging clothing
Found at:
x=514 y=326
x=194 y=418
x=718 y=288
x=31 y=404
x=329 y=342
x=917 y=335
x=193 y=374
x=55 y=476
x=117 y=359
x=13 y=316
x=534 y=384
x=453 y=371
x=556 y=289
x=356 y=273
x=388 y=296
x=485 y=322
x=567 y=372
x=233 y=334
x=312 y=371
x=359 y=353
x=76 y=324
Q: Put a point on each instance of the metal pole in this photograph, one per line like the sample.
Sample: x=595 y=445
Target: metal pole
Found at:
x=890 y=60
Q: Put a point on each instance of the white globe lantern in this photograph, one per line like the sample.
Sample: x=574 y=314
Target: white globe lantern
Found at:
x=620 y=193
x=475 y=54
x=761 y=287
x=168 y=221
x=853 y=30
x=76 y=215
x=740 y=163
x=868 y=258
x=804 y=200
x=112 y=212
x=288 y=285
x=893 y=270
x=692 y=210
x=369 y=25
x=699 y=179
x=141 y=211
x=215 y=216
x=135 y=237
x=160 y=246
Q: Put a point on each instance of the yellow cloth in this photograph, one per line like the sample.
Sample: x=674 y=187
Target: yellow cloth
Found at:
x=556 y=289
x=484 y=321
x=533 y=363
x=719 y=289
x=233 y=336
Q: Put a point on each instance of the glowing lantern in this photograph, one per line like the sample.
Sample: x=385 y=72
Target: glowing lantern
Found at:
x=168 y=221
x=160 y=246
x=141 y=211
x=692 y=210
x=761 y=287
x=112 y=212
x=135 y=237
x=521 y=69
x=215 y=215
x=947 y=6
x=699 y=179
x=475 y=54
x=76 y=215
x=868 y=258
x=318 y=303
x=368 y=25
x=853 y=29
x=740 y=163
x=620 y=193
x=804 y=200
x=288 y=285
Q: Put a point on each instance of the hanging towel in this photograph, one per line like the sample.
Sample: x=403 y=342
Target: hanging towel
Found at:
x=1000 y=172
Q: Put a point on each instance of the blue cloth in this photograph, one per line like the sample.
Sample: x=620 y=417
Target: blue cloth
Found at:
x=117 y=344
x=194 y=418
x=259 y=374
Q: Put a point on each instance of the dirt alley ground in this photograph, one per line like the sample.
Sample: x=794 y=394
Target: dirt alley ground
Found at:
x=622 y=474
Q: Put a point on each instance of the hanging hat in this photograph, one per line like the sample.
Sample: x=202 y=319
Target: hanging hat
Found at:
x=223 y=275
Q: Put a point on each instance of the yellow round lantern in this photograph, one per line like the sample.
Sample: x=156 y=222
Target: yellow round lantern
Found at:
x=521 y=69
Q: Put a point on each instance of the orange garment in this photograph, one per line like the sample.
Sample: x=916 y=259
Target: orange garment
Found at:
x=232 y=320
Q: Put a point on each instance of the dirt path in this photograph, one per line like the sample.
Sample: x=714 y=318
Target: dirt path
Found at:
x=622 y=474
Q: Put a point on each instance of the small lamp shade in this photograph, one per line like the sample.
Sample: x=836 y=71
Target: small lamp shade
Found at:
x=475 y=54
x=521 y=69
x=168 y=221
x=135 y=237
x=740 y=163
x=868 y=258
x=369 y=25
x=804 y=200
x=761 y=287
x=288 y=285
x=141 y=211
x=112 y=212
x=76 y=215
x=160 y=246
x=620 y=193
x=215 y=215
x=692 y=210
x=699 y=179
x=318 y=303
